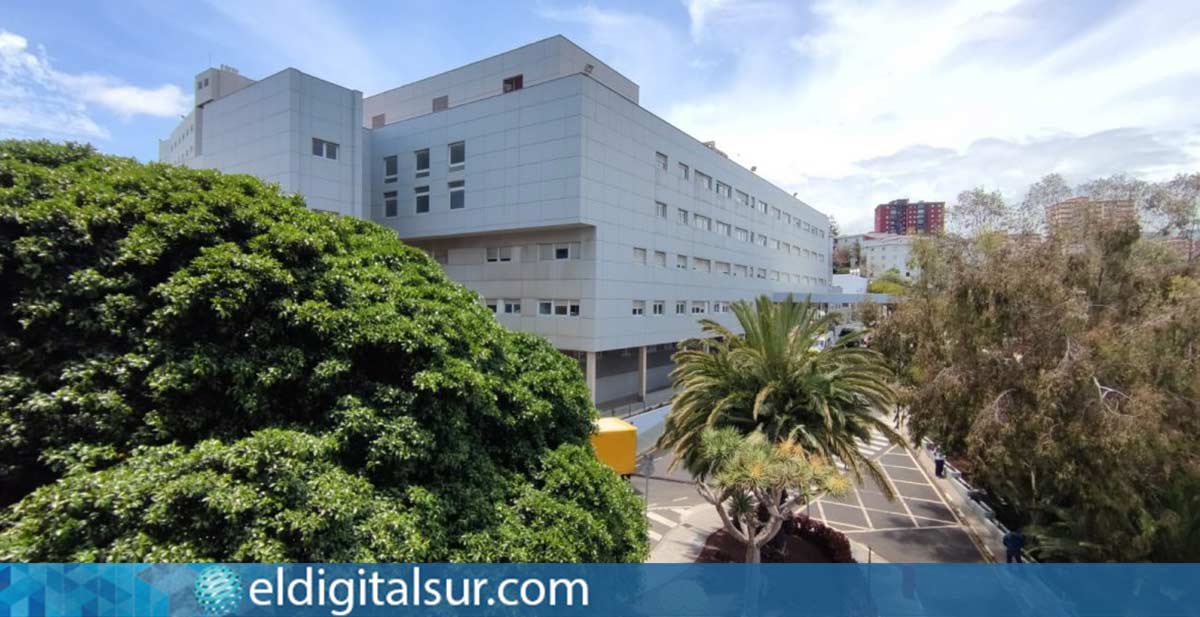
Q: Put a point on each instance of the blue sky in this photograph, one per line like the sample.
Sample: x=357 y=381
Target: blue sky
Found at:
x=848 y=103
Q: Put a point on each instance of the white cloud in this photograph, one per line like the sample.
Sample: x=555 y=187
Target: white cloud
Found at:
x=38 y=100
x=816 y=99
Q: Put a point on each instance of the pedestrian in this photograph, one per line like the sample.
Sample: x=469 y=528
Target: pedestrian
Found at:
x=939 y=462
x=1013 y=543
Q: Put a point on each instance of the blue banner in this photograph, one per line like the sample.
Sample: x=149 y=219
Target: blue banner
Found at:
x=220 y=590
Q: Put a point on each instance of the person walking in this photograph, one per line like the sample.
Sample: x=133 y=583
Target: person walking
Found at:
x=939 y=462
x=1013 y=543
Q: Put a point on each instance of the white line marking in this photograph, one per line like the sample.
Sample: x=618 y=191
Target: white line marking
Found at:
x=679 y=499
x=653 y=535
x=660 y=519
x=679 y=511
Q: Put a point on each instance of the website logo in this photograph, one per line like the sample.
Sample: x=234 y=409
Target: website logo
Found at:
x=218 y=591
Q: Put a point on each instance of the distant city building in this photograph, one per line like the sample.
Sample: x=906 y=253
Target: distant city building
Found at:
x=904 y=217
x=853 y=245
x=883 y=252
x=1075 y=213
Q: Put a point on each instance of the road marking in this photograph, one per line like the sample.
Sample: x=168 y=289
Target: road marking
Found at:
x=849 y=531
x=679 y=499
x=662 y=520
x=653 y=535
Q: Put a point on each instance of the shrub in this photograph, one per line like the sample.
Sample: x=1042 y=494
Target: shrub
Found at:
x=209 y=369
x=832 y=542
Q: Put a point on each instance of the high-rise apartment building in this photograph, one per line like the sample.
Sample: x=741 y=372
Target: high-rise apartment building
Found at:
x=903 y=217
x=1074 y=214
x=536 y=179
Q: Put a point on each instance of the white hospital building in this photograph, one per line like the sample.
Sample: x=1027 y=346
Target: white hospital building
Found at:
x=536 y=179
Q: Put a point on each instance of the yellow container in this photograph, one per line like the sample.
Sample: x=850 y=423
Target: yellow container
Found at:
x=615 y=441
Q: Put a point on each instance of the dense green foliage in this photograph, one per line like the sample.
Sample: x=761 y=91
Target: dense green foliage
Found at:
x=1064 y=374
x=890 y=282
x=196 y=367
x=774 y=379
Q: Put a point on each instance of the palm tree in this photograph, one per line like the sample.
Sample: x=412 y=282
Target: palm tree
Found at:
x=779 y=378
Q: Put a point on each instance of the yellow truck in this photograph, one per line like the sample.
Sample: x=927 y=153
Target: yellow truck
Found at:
x=615 y=441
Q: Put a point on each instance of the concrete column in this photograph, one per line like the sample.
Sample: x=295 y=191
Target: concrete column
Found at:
x=590 y=373
x=642 y=372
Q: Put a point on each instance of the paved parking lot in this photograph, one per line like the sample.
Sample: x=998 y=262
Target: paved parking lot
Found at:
x=918 y=526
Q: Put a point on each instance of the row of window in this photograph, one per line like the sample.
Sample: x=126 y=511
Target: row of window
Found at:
x=570 y=308
x=551 y=251
x=700 y=264
x=742 y=198
x=722 y=228
x=456 y=154
x=457 y=190
x=512 y=306
x=699 y=307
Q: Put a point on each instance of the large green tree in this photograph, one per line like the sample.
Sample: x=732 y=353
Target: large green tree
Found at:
x=781 y=379
x=197 y=367
x=1063 y=373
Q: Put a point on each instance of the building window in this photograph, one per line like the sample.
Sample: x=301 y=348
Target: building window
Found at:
x=701 y=222
x=378 y=120
x=639 y=307
x=422 y=157
x=684 y=172
x=774 y=275
x=658 y=307
x=724 y=190
x=743 y=199
x=660 y=259
x=499 y=254
x=681 y=262
x=390 y=204
x=661 y=160
x=760 y=239
x=558 y=251
x=681 y=215
x=703 y=180
x=761 y=273
x=421 y=193
x=762 y=207
x=723 y=267
x=391 y=167
x=739 y=270
x=741 y=234
x=512 y=307
x=701 y=265
x=777 y=213
x=681 y=308
x=660 y=209
x=458 y=194
x=458 y=155
x=699 y=307
x=639 y=256
x=545 y=307
x=516 y=82
x=566 y=308
x=327 y=149
x=723 y=228
x=441 y=103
